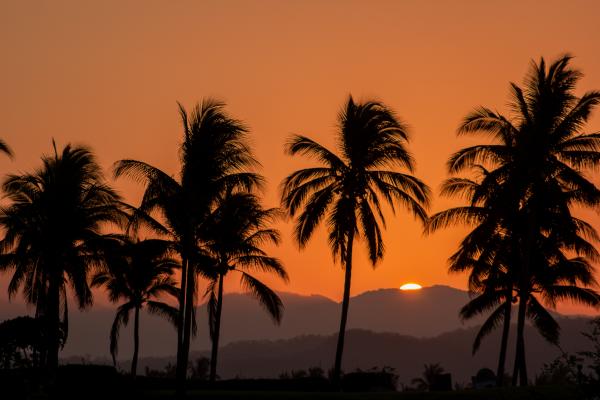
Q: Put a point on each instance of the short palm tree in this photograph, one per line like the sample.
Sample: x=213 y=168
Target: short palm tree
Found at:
x=431 y=373
x=348 y=189
x=236 y=233
x=140 y=273
x=215 y=159
x=53 y=234
x=485 y=252
x=555 y=277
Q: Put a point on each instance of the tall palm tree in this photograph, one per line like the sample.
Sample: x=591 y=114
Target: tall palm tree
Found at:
x=138 y=272
x=538 y=154
x=236 y=233
x=215 y=158
x=349 y=188
x=53 y=235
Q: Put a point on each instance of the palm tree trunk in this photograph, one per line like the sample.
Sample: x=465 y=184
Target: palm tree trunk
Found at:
x=53 y=327
x=187 y=331
x=216 y=332
x=136 y=342
x=504 y=342
x=181 y=371
x=41 y=317
x=345 y=305
x=520 y=367
x=523 y=379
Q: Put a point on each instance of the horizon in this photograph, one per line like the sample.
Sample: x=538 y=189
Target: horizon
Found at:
x=108 y=306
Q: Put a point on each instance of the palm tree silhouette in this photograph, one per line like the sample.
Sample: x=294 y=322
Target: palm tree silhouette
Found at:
x=349 y=188
x=485 y=252
x=430 y=373
x=138 y=272
x=215 y=159
x=236 y=233
x=538 y=158
x=53 y=236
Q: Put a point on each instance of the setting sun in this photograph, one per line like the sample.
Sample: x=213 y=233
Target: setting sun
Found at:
x=411 y=286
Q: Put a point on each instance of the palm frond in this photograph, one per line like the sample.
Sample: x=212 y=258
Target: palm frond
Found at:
x=267 y=298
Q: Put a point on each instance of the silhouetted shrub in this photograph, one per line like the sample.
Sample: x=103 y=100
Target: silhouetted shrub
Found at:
x=316 y=372
x=299 y=374
x=485 y=378
x=200 y=369
x=441 y=383
x=20 y=342
x=432 y=379
x=593 y=356
x=373 y=380
x=168 y=371
x=564 y=370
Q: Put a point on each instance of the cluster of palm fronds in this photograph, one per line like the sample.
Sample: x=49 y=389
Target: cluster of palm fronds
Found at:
x=526 y=245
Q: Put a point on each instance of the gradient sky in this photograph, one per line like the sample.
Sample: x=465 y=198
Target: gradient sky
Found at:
x=108 y=74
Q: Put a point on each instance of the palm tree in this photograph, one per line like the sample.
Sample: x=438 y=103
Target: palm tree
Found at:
x=485 y=252
x=538 y=158
x=236 y=233
x=431 y=373
x=349 y=188
x=555 y=277
x=53 y=235
x=215 y=159
x=491 y=282
x=138 y=272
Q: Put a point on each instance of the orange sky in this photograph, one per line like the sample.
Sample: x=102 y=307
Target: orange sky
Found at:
x=108 y=74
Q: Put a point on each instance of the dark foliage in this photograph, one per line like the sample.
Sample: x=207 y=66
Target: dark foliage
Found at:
x=21 y=339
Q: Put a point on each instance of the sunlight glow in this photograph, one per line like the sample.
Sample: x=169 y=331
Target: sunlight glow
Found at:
x=410 y=286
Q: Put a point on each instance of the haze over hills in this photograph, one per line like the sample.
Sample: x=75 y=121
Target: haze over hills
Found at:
x=407 y=354
x=428 y=312
x=387 y=327
x=367 y=349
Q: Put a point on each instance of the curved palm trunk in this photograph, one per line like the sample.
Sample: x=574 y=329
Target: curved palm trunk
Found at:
x=181 y=370
x=504 y=340
x=216 y=332
x=345 y=305
x=136 y=342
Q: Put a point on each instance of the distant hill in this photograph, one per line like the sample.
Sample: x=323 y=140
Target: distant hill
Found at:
x=428 y=312
x=366 y=349
x=424 y=313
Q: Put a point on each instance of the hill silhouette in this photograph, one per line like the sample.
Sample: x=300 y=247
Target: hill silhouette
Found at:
x=428 y=313
x=424 y=313
x=367 y=349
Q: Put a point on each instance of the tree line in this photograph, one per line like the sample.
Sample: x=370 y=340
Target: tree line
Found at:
x=67 y=230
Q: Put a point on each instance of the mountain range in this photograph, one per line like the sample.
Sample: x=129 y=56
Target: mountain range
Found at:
x=420 y=313
x=402 y=329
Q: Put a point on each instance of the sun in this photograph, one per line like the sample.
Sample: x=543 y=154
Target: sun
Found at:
x=411 y=286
